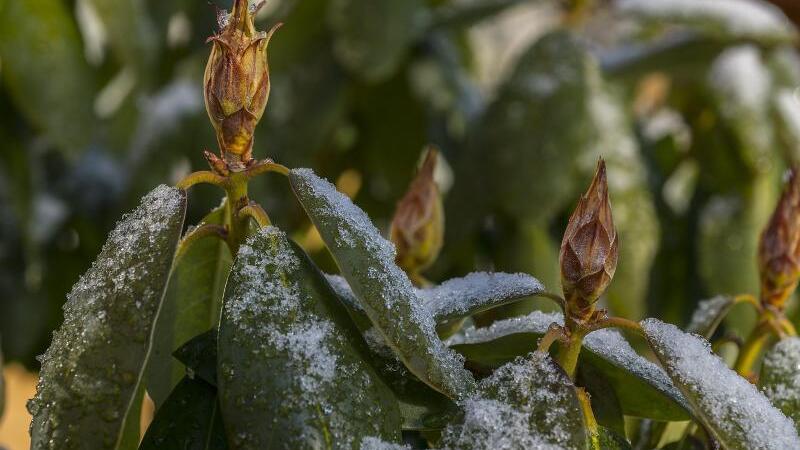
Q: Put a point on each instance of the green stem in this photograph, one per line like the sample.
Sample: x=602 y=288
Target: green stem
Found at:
x=236 y=188
x=570 y=349
x=258 y=214
x=752 y=349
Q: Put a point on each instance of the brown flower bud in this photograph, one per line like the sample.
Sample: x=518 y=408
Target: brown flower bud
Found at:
x=779 y=247
x=588 y=255
x=417 y=228
x=237 y=83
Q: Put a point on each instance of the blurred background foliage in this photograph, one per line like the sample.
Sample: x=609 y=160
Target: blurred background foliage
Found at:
x=693 y=103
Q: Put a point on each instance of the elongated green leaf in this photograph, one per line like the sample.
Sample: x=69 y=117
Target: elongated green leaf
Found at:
x=780 y=377
x=383 y=290
x=191 y=305
x=708 y=315
x=371 y=38
x=284 y=347
x=528 y=403
x=45 y=70
x=643 y=389
x=199 y=355
x=607 y=439
x=461 y=297
x=457 y=298
x=90 y=385
x=605 y=404
x=190 y=419
x=724 y=19
x=732 y=409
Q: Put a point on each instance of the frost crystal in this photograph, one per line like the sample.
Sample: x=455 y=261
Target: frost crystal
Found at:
x=535 y=322
x=526 y=404
x=732 y=408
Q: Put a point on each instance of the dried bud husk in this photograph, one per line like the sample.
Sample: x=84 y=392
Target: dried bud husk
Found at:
x=237 y=84
x=588 y=255
x=779 y=247
x=417 y=229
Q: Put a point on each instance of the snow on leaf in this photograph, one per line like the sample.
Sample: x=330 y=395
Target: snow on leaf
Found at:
x=385 y=293
x=476 y=292
x=708 y=315
x=529 y=403
x=90 y=383
x=288 y=348
x=732 y=19
x=780 y=377
x=735 y=412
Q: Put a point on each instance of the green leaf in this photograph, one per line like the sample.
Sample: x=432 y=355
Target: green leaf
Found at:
x=199 y=355
x=607 y=439
x=462 y=297
x=383 y=290
x=130 y=31
x=605 y=404
x=643 y=389
x=529 y=403
x=284 y=347
x=708 y=315
x=456 y=298
x=457 y=14
x=421 y=407
x=191 y=306
x=190 y=419
x=372 y=38
x=90 y=385
x=45 y=70
x=731 y=409
x=780 y=377
x=728 y=19
x=549 y=89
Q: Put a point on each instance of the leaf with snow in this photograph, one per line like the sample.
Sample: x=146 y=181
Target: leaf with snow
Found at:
x=457 y=298
x=384 y=291
x=780 y=377
x=724 y=19
x=191 y=305
x=732 y=409
x=90 y=385
x=461 y=297
x=708 y=315
x=643 y=389
x=529 y=403
x=291 y=366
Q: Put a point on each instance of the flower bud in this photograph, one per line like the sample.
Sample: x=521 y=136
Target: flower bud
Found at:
x=417 y=228
x=237 y=84
x=779 y=247
x=588 y=255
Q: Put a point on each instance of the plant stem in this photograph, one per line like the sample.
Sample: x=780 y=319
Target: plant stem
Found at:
x=588 y=416
x=570 y=349
x=236 y=189
x=255 y=211
x=751 y=349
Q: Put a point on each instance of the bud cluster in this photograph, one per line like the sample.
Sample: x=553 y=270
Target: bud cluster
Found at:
x=417 y=229
x=779 y=247
x=588 y=254
x=236 y=86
